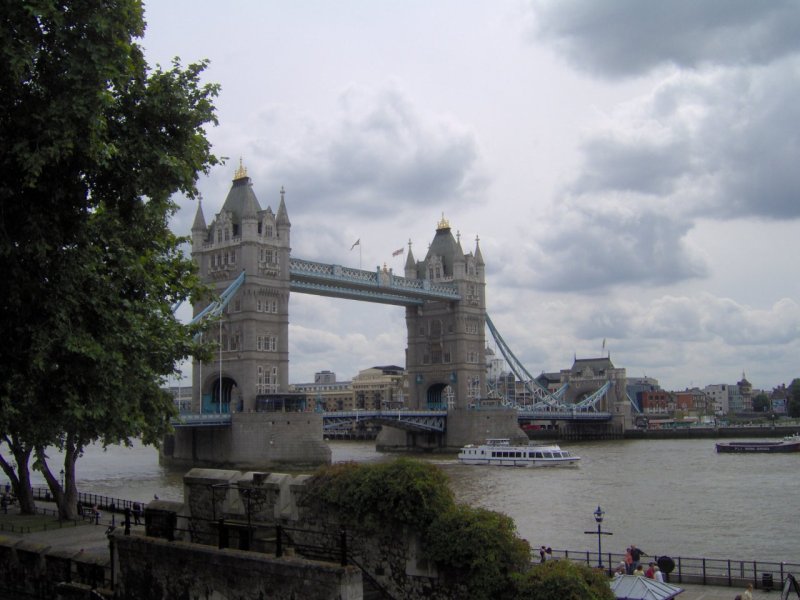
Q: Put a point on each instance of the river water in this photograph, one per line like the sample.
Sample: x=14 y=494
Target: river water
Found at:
x=673 y=497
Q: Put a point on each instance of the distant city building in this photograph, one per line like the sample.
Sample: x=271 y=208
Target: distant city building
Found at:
x=693 y=402
x=779 y=400
x=719 y=398
x=731 y=398
x=380 y=388
x=637 y=385
x=657 y=403
x=327 y=394
x=745 y=396
x=325 y=377
x=376 y=388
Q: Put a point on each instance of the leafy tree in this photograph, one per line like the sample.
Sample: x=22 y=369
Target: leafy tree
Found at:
x=794 y=399
x=561 y=580
x=95 y=143
x=761 y=402
x=403 y=491
x=479 y=547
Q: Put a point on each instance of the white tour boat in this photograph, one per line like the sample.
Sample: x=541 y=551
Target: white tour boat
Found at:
x=500 y=452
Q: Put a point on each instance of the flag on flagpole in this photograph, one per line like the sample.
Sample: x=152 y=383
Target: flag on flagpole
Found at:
x=357 y=243
x=398 y=252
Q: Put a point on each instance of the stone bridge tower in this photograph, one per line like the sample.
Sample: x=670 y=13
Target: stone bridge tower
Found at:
x=446 y=340
x=254 y=332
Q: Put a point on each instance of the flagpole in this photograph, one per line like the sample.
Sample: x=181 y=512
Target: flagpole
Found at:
x=359 y=256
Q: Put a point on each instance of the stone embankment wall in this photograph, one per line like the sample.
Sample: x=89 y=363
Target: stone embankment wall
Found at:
x=253 y=440
x=235 y=503
x=156 y=568
x=29 y=569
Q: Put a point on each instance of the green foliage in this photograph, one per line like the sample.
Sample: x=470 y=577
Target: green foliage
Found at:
x=761 y=402
x=372 y=496
x=794 y=399
x=480 y=546
x=561 y=580
x=95 y=144
x=476 y=548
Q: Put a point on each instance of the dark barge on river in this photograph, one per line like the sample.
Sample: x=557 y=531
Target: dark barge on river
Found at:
x=787 y=444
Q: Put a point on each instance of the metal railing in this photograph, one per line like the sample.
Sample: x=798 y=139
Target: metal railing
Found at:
x=333 y=546
x=700 y=570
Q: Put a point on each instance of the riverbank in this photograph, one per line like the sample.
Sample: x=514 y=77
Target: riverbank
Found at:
x=670 y=433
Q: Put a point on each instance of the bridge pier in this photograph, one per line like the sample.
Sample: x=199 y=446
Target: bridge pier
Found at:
x=252 y=441
x=464 y=426
x=392 y=439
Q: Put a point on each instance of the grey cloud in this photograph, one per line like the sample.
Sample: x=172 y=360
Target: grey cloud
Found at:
x=646 y=167
x=380 y=154
x=593 y=249
x=619 y=38
x=698 y=319
x=731 y=149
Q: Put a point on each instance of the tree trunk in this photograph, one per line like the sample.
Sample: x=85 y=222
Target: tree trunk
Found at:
x=65 y=497
x=19 y=475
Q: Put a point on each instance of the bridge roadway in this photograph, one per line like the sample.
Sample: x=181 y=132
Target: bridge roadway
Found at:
x=410 y=420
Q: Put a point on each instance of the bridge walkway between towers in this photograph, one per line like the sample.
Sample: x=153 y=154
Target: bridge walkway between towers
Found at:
x=380 y=286
x=409 y=420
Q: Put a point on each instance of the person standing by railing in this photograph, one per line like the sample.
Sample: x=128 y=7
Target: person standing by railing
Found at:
x=628 y=561
x=636 y=555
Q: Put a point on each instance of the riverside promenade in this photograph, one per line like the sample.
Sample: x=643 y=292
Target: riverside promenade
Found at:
x=90 y=541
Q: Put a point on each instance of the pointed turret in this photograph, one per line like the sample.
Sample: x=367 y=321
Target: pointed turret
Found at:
x=282 y=218
x=250 y=209
x=478 y=255
x=241 y=200
x=199 y=228
x=444 y=250
x=459 y=260
x=411 y=265
x=199 y=219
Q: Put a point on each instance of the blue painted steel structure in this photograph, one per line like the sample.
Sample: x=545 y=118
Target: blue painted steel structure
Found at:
x=410 y=420
x=217 y=307
x=547 y=403
x=380 y=286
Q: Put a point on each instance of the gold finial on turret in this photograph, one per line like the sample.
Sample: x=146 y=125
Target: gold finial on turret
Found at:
x=241 y=172
x=443 y=224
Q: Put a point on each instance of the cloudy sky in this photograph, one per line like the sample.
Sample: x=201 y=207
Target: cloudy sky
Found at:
x=632 y=168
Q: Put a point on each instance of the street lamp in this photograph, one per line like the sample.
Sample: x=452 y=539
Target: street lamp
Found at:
x=598 y=517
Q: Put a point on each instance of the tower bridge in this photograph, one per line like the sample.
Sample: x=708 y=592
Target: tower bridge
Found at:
x=244 y=255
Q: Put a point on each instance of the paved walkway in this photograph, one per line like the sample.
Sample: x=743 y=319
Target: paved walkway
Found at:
x=710 y=592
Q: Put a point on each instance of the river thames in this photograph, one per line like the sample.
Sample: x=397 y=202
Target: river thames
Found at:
x=669 y=497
